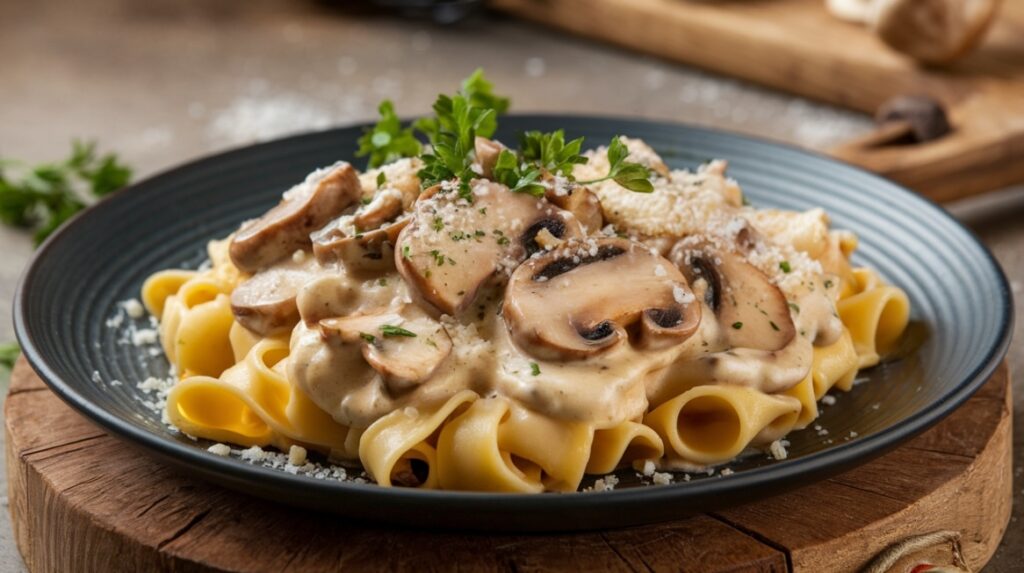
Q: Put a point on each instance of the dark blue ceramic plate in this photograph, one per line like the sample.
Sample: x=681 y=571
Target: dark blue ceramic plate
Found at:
x=959 y=296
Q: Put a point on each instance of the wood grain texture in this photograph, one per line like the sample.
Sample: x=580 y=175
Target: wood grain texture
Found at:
x=796 y=46
x=83 y=501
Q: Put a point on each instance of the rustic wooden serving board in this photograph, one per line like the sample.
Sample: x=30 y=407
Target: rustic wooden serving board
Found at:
x=82 y=501
x=796 y=46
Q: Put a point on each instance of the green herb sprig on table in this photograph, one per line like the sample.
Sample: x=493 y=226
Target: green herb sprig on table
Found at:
x=8 y=354
x=43 y=197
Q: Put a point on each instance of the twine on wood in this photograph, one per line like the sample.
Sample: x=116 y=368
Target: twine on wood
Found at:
x=883 y=562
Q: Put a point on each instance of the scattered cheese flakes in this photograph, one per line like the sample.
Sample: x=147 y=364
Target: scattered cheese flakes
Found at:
x=296 y=455
x=649 y=468
x=662 y=478
x=253 y=454
x=727 y=472
x=778 y=450
x=145 y=336
x=828 y=400
x=134 y=308
x=219 y=449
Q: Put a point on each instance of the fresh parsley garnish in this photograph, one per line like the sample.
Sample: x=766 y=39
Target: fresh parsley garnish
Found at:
x=519 y=177
x=737 y=325
x=632 y=176
x=45 y=196
x=786 y=268
x=388 y=141
x=382 y=178
x=775 y=327
x=534 y=369
x=550 y=151
x=795 y=307
x=391 y=330
x=368 y=337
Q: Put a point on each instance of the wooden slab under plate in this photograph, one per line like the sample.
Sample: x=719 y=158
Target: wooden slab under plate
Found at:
x=83 y=501
x=796 y=46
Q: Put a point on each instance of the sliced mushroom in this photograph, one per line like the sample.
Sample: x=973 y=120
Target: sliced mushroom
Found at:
x=405 y=347
x=588 y=296
x=451 y=248
x=856 y=11
x=265 y=303
x=933 y=31
x=752 y=312
x=487 y=152
x=924 y=117
x=385 y=206
x=579 y=201
x=281 y=231
x=366 y=251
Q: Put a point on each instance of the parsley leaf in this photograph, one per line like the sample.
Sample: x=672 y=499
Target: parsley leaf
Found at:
x=480 y=94
x=534 y=369
x=518 y=177
x=551 y=152
x=632 y=176
x=388 y=141
x=453 y=143
x=47 y=195
x=391 y=330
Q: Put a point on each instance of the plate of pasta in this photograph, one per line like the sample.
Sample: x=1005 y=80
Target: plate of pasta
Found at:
x=514 y=322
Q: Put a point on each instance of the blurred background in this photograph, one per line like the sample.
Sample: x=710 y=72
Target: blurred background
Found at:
x=162 y=82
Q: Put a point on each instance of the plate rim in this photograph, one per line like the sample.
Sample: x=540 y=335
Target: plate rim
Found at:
x=774 y=476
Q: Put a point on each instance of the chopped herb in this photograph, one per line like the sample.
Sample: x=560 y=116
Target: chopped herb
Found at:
x=387 y=141
x=391 y=330
x=366 y=200
x=828 y=283
x=458 y=235
x=534 y=369
x=503 y=241
x=451 y=261
x=381 y=179
x=795 y=307
x=550 y=152
x=438 y=223
x=43 y=197
x=438 y=257
x=632 y=176
x=483 y=210
x=775 y=327
x=406 y=251
x=383 y=281
x=368 y=337
x=737 y=325
x=519 y=177
x=431 y=342
x=784 y=265
x=478 y=233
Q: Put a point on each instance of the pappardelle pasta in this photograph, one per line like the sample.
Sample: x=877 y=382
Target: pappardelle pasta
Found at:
x=473 y=317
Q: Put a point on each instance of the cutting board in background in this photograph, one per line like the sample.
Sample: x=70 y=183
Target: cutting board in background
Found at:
x=796 y=46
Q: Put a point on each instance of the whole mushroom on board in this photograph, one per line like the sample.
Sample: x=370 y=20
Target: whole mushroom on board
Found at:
x=930 y=31
x=933 y=31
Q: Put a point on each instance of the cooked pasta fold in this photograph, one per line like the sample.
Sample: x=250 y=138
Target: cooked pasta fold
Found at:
x=482 y=339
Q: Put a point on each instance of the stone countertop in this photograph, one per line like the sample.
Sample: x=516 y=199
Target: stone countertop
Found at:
x=163 y=82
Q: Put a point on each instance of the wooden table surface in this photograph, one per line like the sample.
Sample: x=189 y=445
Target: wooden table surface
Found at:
x=165 y=81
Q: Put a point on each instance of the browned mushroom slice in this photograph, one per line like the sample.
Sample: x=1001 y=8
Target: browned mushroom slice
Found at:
x=752 y=312
x=487 y=152
x=265 y=304
x=451 y=248
x=385 y=206
x=579 y=201
x=305 y=208
x=404 y=347
x=368 y=251
x=584 y=298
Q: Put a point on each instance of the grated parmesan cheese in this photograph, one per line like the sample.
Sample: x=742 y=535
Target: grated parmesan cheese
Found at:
x=296 y=455
x=778 y=450
x=219 y=449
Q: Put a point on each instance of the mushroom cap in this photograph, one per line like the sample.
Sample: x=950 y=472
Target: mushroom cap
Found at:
x=451 y=248
x=589 y=295
x=925 y=116
x=751 y=310
x=402 y=361
x=308 y=206
x=487 y=152
x=266 y=302
x=580 y=201
x=933 y=31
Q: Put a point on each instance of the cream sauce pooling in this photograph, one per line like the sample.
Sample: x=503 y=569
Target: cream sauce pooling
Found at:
x=619 y=384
